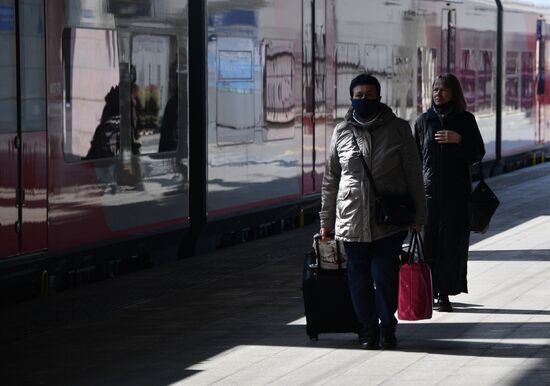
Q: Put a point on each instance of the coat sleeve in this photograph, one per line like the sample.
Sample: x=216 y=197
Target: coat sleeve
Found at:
x=331 y=182
x=472 y=148
x=413 y=173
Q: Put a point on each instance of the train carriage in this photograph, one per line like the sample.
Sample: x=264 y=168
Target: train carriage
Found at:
x=130 y=126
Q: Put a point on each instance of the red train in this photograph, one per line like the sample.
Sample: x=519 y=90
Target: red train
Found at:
x=125 y=124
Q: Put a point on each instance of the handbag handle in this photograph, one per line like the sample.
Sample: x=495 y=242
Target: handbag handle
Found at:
x=416 y=242
x=365 y=166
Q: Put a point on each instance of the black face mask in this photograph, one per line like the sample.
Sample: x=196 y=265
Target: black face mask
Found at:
x=365 y=107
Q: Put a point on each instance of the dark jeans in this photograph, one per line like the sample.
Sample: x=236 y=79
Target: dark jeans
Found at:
x=373 y=276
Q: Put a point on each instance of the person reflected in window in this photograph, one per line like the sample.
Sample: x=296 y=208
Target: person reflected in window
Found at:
x=169 y=124
x=348 y=205
x=106 y=140
x=448 y=141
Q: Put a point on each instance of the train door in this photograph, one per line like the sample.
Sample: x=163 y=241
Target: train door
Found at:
x=314 y=94
x=22 y=128
x=448 y=40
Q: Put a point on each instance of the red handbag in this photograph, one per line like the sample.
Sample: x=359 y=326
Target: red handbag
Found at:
x=415 y=283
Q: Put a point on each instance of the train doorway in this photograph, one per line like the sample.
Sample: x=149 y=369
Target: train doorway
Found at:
x=23 y=199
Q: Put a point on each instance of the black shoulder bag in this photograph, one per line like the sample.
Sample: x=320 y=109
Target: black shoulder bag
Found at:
x=390 y=209
x=482 y=204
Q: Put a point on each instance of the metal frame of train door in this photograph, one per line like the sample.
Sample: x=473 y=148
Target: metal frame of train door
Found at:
x=308 y=96
x=17 y=141
x=198 y=123
x=448 y=40
x=311 y=11
x=540 y=78
x=19 y=136
x=499 y=85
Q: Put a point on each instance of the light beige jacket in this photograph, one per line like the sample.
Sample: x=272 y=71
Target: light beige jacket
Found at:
x=348 y=201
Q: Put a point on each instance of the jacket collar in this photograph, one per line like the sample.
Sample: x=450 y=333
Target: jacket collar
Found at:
x=434 y=113
x=384 y=116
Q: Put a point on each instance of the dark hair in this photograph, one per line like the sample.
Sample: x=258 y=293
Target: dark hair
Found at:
x=452 y=83
x=364 y=79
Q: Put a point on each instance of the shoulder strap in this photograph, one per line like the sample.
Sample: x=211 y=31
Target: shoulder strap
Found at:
x=365 y=166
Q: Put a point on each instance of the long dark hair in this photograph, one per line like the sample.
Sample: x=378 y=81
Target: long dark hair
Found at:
x=452 y=83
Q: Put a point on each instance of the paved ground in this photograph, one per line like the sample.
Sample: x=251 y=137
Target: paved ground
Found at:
x=235 y=317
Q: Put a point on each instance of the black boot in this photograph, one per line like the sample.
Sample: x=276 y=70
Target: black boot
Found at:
x=389 y=341
x=443 y=304
x=370 y=341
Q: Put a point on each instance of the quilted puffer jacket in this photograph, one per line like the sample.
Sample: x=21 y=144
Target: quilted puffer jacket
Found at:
x=389 y=149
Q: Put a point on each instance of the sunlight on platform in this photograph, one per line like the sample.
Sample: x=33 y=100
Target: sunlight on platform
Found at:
x=298 y=322
x=531 y=235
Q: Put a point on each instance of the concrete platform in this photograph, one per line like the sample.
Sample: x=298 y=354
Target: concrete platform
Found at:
x=235 y=317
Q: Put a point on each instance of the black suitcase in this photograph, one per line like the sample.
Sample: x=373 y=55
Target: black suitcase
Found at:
x=327 y=301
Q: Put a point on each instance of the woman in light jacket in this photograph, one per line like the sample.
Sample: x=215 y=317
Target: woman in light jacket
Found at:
x=348 y=205
x=448 y=141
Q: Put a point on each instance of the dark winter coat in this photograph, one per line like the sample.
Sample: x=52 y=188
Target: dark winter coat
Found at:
x=448 y=184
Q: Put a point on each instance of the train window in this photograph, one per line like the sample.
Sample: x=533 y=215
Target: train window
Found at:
x=402 y=83
x=154 y=94
x=425 y=77
x=484 y=80
x=278 y=86
x=31 y=34
x=92 y=105
x=33 y=92
x=512 y=82
x=468 y=77
x=376 y=63
x=236 y=92
x=8 y=92
x=347 y=67
x=527 y=80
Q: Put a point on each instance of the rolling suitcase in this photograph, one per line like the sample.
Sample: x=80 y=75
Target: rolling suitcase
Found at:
x=327 y=302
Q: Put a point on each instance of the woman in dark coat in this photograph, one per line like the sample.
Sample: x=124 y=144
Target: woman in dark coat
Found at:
x=449 y=141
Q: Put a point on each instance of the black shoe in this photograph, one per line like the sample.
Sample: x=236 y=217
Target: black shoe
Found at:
x=370 y=342
x=434 y=302
x=389 y=341
x=443 y=304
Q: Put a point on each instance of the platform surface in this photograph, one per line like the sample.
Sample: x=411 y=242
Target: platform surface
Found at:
x=235 y=317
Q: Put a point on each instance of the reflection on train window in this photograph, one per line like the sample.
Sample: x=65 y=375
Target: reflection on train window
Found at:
x=376 y=63
x=448 y=40
x=235 y=100
x=33 y=88
x=512 y=81
x=8 y=93
x=92 y=106
x=347 y=67
x=320 y=72
x=425 y=77
x=468 y=77
x=485 y=80
x=235 y=65
x=527 y=80
x=278 y=86
x=154 y=94
x=403 y=79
